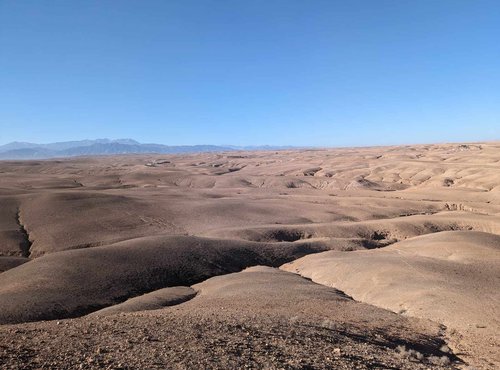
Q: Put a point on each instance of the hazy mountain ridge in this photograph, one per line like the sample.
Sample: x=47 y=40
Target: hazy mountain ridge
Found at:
x=22 y=150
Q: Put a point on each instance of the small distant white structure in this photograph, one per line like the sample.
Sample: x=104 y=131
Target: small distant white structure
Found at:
x=156 y=162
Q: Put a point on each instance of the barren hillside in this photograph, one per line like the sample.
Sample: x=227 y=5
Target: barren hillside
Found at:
x=146 y=261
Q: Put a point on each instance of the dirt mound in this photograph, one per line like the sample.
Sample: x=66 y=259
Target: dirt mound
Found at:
x=259 y=318
x=386 y=231
x=427 y=276
x=60 y=221
x=150 y=301
x=73 y=283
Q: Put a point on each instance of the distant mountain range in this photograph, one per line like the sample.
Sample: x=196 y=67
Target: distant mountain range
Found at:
x=21 y=150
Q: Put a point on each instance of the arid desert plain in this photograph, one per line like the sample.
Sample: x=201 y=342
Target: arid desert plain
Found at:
x=353 y=258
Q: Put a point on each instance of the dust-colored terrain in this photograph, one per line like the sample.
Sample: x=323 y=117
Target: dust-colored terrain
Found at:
x=384 y=257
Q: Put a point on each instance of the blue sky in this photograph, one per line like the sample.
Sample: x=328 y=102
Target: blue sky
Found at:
x=326 y=73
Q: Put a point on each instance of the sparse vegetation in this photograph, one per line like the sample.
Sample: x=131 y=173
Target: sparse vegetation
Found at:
x=414 y=355
x=409 y=353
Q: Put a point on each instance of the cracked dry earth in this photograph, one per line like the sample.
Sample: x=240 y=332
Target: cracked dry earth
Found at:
x=352 y=258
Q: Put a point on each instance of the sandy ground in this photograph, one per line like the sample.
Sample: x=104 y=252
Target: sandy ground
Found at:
x=137 y=260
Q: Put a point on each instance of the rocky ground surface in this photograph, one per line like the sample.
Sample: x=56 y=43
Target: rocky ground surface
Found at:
x=259 y=318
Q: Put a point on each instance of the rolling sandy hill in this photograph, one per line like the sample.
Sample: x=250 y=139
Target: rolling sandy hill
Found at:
x=412 y=230
x=448 y=277
x=259 y=318
x=72 y=283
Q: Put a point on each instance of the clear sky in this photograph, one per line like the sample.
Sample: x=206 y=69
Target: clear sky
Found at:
x=308 y=72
